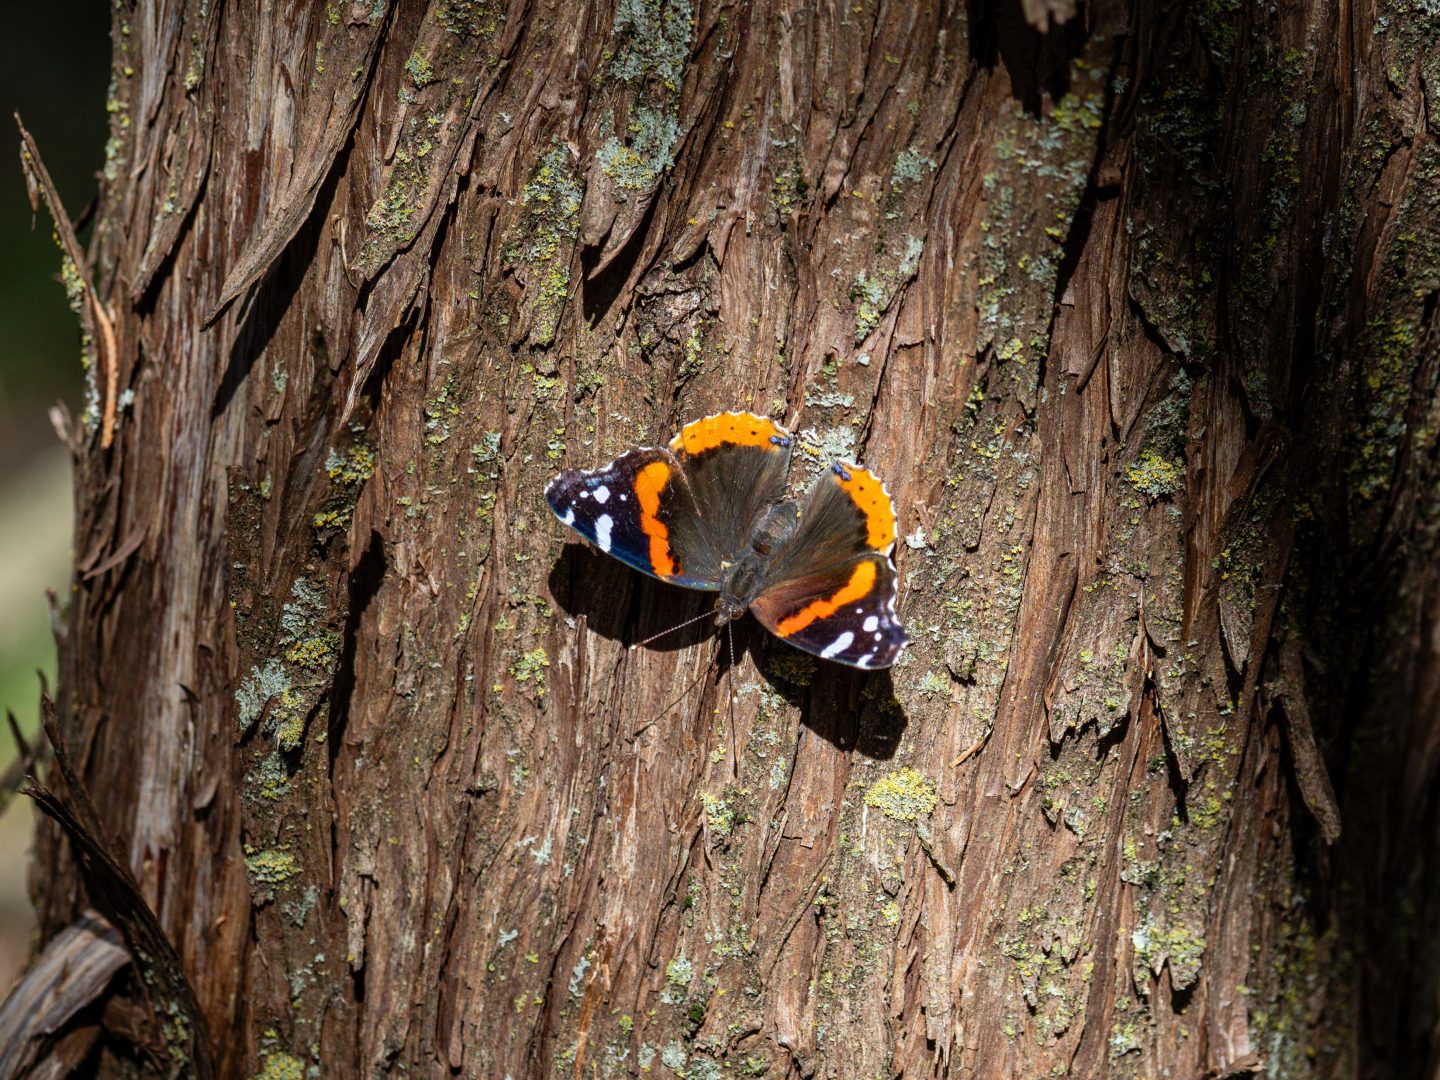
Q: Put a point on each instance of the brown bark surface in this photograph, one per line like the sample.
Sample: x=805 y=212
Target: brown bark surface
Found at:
x=1135 y=313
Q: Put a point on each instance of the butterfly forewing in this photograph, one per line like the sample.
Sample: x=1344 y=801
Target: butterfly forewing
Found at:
x=641 y=510
x=736 y=464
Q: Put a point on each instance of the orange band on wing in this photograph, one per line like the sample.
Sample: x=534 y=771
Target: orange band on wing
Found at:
x=862 y=580
x=874 y=502
x=727 y=429
x=649 y=484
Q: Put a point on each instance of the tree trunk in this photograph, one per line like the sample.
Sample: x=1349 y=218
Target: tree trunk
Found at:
x=1135 y=313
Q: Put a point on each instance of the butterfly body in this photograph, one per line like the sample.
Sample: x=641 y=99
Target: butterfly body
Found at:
x=708 y=511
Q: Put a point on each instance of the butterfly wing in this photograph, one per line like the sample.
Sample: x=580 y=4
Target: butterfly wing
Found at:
x=641 y=510
x=831 y=589
x=736 y=464
x=844 y=612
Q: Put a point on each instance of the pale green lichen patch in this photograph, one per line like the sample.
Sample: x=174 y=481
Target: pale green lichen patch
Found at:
x=260 y=687
x=868 y=294
x=904 y=795
x=679 y=973
x=355 y=466
x=529 y=669
x=720 y=815
x=280 y=1066
x=270 y=867
x=268 y=780
x=1156 y=477
x=470 y=18
x=821 y=449
x=286 y=691
x=674 y=1057
x=579 y=975
x=788 y=188
x=347 y=472
x=1175 y=944
x=873 y=293
x=652 y=41
x=637 y=163
x=420 y=70
x=540 y=246
x=911 y=167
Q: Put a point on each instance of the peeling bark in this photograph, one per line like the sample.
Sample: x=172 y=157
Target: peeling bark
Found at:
x=1132 y=306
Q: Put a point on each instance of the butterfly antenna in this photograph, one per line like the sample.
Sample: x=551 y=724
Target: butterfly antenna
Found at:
x=734 y=751
x=673 y=702
x=672 y=629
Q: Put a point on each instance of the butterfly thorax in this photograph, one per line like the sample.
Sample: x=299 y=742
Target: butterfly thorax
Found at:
x=745 y=577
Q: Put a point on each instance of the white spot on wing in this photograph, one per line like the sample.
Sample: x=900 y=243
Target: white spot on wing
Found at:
x=569 y=516
x=602 y=494
x=864 y=661
x=839 y=645
x=603 y=524
x=871 y=623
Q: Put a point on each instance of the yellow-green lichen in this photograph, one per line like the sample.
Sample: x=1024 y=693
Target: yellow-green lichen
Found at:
x=637 y=164
x=470 y=18
x=316 y=652
x=652 y=45
x=870 y=303
x=268 y=780
x=904 y=795
x=792 y=666
x=530 y=668
x=719 y=814
x=272 y=866
x=420 y=70
x=545 y=237
x=1155 y=477
x=355 y=467
x=348 y=473
x=1392 y=350
x=281 y=1066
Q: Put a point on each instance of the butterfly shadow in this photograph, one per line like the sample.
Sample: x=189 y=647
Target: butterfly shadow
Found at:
x=848 y=707
x=624 y=605
x=852 y=709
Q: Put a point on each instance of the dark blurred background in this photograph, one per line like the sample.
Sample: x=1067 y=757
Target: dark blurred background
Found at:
x=54 y=70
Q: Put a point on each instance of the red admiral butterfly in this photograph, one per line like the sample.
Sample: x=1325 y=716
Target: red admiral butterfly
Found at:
x=708 y=512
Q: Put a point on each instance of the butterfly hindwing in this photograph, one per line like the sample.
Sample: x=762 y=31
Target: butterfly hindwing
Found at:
x=831 y=588
x=846 y=512
x=640 y=509
x=736 y=464
x=843 y=612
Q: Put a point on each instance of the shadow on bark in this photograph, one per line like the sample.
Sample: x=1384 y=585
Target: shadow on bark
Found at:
x=853 y=709
x=1038 y=62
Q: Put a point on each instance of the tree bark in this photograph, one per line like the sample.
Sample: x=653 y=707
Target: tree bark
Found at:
x=1135 y=312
